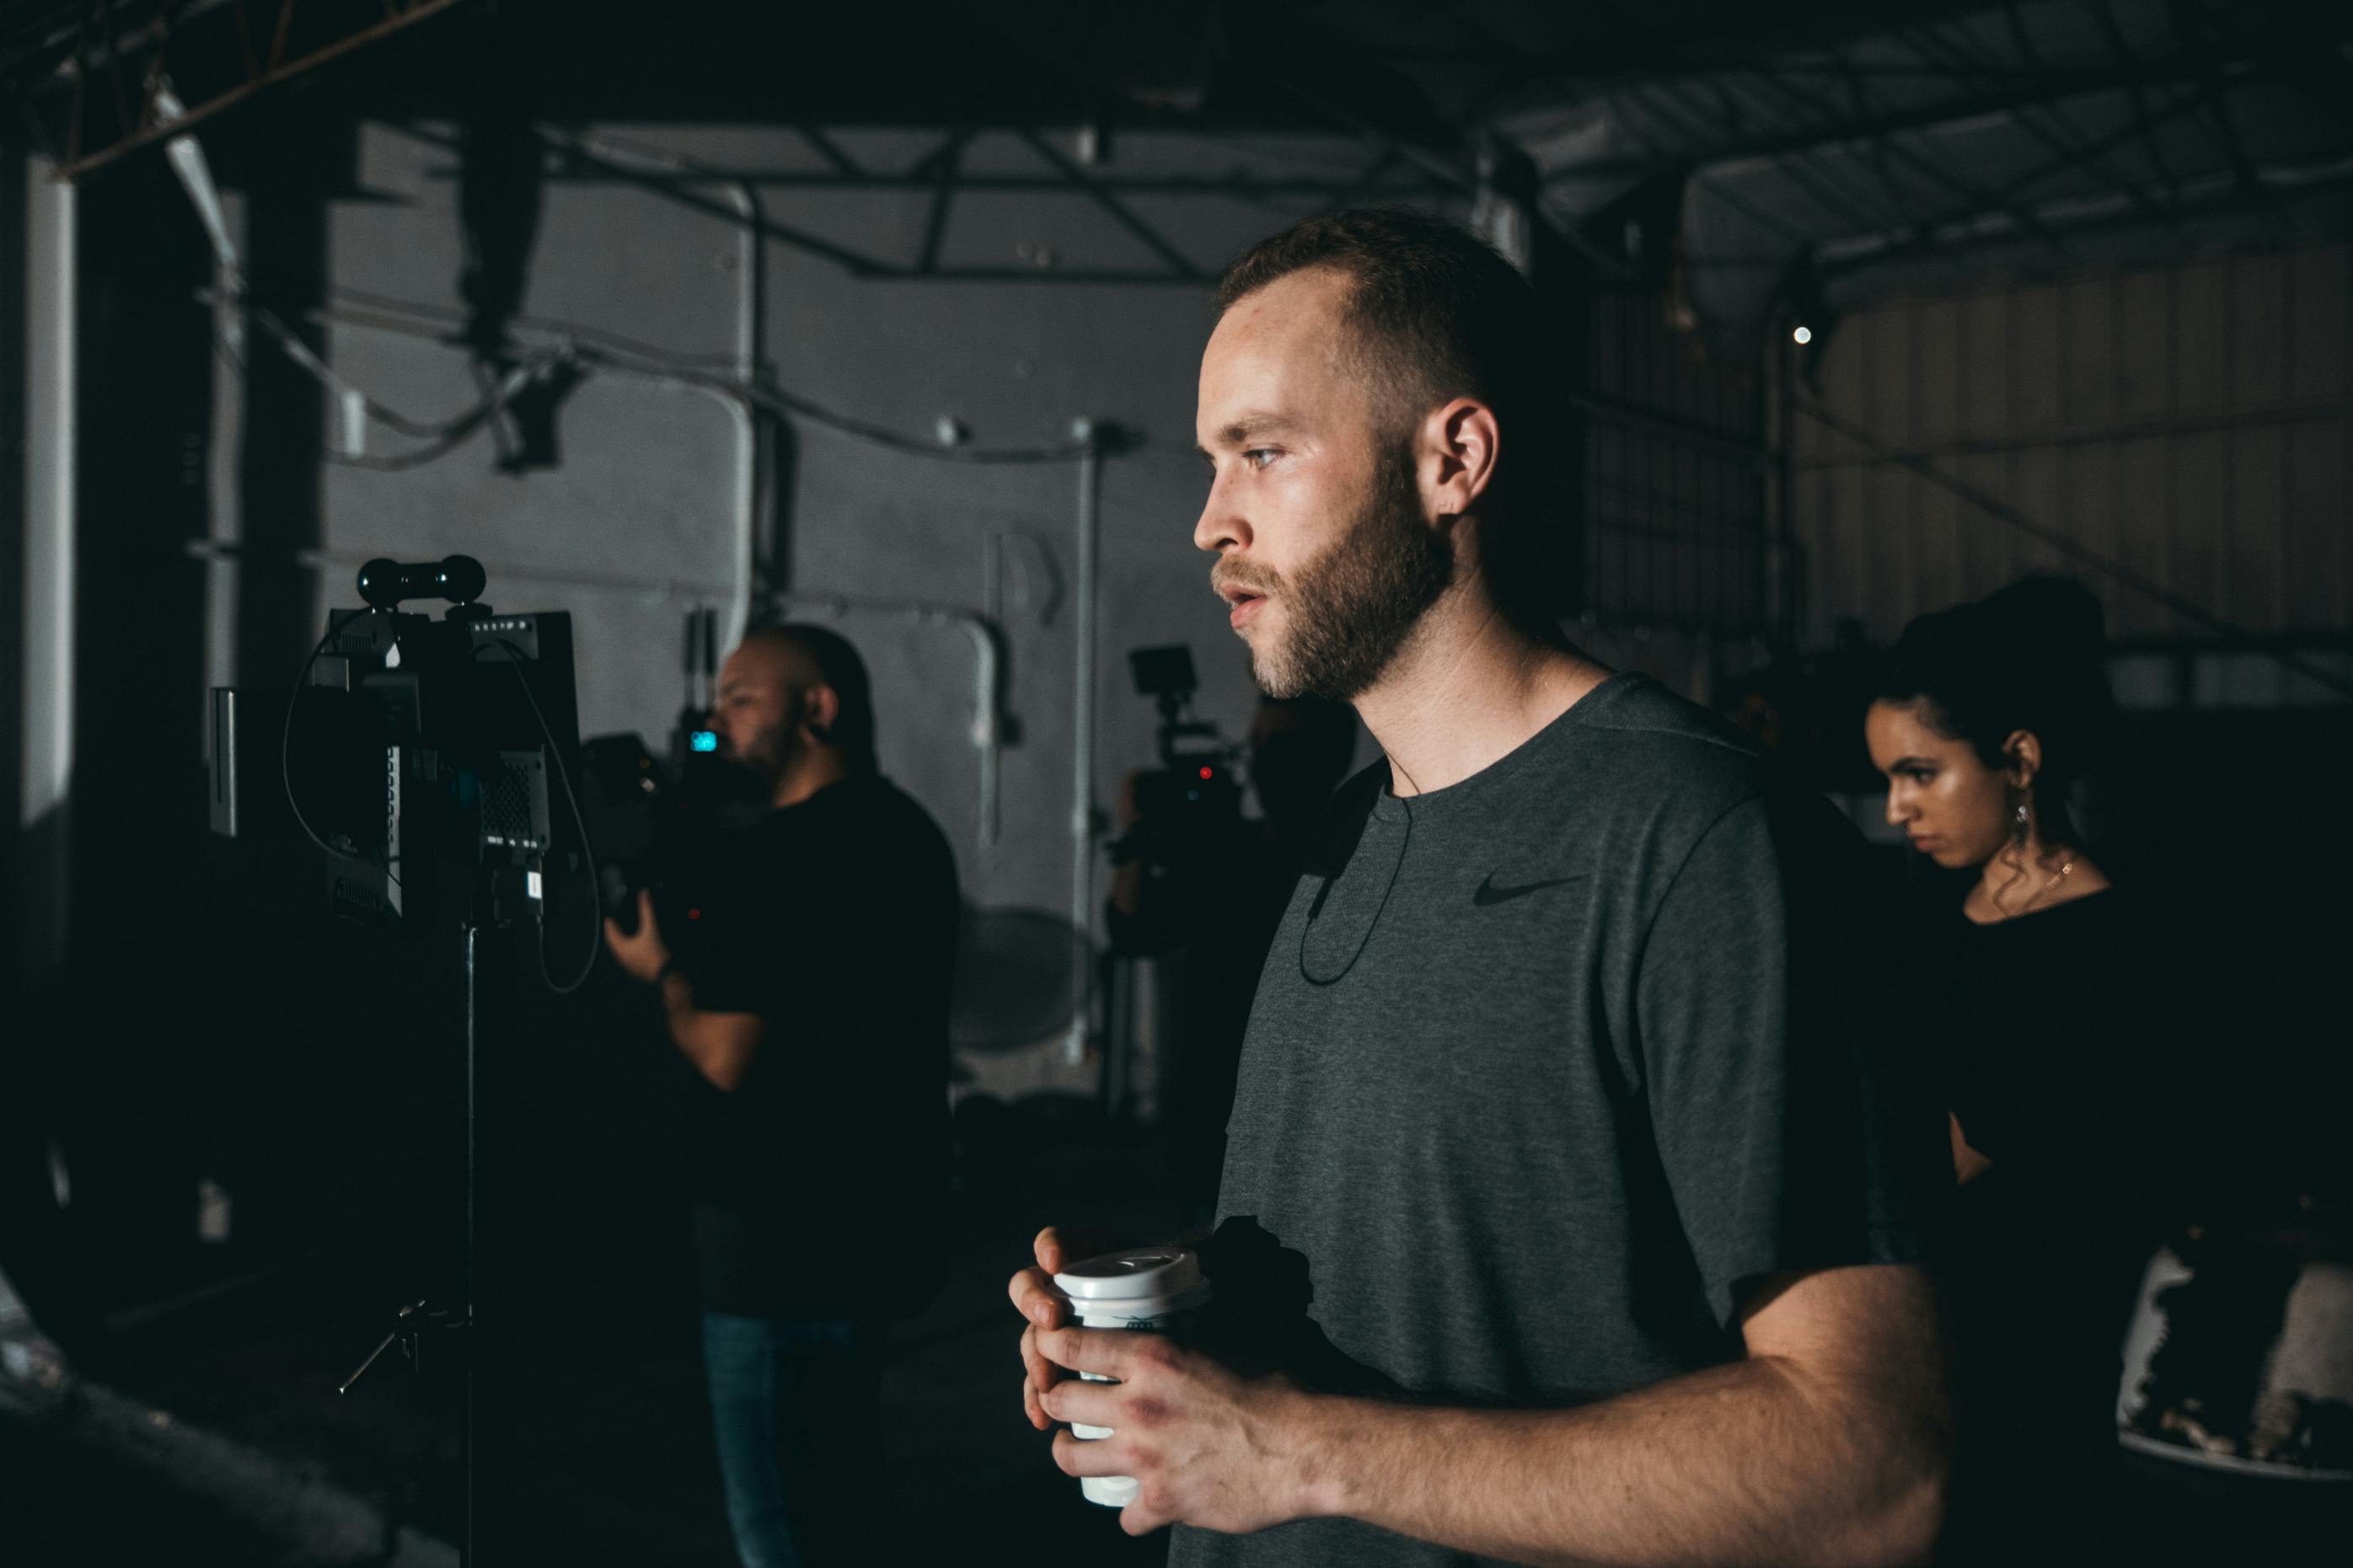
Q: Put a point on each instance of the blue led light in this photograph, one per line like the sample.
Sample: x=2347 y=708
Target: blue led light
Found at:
x=703 y=741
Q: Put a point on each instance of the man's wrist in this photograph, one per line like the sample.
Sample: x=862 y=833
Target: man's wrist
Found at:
x=668 y=967
x=1309 y=1428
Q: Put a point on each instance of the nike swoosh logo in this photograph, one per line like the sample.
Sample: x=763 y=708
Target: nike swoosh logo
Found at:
x=1489 y=893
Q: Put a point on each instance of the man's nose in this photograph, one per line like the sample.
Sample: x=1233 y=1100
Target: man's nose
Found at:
x=1220 y=525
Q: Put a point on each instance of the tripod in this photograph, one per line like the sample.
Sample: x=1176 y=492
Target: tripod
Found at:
x=429 y=1329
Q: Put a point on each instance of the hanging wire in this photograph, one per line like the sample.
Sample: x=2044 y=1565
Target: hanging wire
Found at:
x=585 y=349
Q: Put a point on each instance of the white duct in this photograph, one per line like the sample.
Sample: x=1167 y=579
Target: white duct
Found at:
x=1083 y=740
x=46 y=776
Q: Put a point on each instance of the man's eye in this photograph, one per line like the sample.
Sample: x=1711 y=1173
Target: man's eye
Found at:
x=1259 y=456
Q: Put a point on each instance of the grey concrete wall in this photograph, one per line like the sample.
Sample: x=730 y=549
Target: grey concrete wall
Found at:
x=640 y=521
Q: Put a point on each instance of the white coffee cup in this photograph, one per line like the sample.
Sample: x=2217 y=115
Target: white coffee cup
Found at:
x=1152 y=1289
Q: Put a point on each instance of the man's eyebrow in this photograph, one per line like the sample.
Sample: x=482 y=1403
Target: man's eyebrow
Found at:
x=1250 y=428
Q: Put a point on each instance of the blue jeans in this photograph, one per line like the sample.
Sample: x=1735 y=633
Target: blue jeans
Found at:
x=795 y=1408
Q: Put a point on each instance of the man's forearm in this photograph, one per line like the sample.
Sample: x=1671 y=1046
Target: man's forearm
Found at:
x=1739 y=1464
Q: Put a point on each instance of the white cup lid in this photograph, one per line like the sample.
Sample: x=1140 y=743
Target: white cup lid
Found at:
x=1142 y=1271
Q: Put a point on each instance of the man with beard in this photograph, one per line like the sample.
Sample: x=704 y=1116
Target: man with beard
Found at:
x=1561 y=1220
x=814 y=1006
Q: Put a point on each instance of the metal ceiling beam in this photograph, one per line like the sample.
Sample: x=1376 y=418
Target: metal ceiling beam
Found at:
x=1370 y=183
x=147 y=125
x=1657 y=45
x=2017 y=189
x=2204 y=198
x=2144 y=125
x=1858 y=128
x=576 y=163
x=1938 y=171
x=1755 y=214
x=2070 y=145
x=827 y=149
x=2189 y=21
x=946 y=163
x=1825 y=192
x=1178 y=262
x=933 y=175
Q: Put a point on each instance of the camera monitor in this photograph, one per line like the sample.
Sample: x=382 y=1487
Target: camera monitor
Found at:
x=415 y=750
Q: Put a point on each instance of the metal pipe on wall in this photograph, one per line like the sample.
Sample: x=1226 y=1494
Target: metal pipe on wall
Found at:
x=46 y=784
x=751 y=339
x=1082 y=737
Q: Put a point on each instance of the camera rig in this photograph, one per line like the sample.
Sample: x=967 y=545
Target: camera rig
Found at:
x=1194 y=782
x=415 y=755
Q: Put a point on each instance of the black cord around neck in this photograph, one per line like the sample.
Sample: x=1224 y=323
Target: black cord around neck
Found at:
x=1325 y=892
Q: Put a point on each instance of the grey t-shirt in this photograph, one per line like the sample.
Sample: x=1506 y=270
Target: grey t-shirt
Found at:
x=1564 y=1058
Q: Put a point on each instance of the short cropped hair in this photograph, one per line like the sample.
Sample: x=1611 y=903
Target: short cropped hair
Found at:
x=837 y=666
x=1436 y=314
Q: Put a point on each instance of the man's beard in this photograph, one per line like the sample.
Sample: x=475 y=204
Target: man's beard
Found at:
x=1349 y=611
x=770 y=752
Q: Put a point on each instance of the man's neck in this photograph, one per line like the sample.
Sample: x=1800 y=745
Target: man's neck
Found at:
x=807 y=775
x=1468 y=690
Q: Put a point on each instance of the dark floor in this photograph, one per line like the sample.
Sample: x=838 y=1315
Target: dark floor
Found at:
x=617 y=1467
x=68 y=1507
x=617 y=1463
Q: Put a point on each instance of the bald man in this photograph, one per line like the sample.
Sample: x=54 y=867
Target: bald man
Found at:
x=814 y=1008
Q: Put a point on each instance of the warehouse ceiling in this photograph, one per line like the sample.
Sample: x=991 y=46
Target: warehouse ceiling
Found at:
x=1751 y=157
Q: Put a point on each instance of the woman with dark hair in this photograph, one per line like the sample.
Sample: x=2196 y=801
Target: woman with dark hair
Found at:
x=2040 y=1007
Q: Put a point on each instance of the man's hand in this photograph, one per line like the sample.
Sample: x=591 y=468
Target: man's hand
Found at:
x=1207 y=1447
x=644 y=953
x=1042 y=1306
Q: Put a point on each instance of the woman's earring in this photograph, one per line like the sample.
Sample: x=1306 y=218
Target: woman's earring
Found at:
x=2023 y=821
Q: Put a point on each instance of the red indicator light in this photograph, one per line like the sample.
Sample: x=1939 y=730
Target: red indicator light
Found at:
x=1208 y=772
x=694 y=914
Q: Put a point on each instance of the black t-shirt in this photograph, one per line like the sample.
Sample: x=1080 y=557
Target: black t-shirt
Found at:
x=835 y=920
x=1564 y=1060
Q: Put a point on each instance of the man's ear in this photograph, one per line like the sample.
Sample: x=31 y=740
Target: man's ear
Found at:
x=1460 y=444
x=820 y=711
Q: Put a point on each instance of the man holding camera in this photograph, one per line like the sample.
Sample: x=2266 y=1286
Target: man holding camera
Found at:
x=814 y=1005
x=1576 y=1230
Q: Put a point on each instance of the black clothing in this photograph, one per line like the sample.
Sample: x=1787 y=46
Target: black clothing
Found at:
x=1219 y=908
x=835 y=920
x=1562 y=1062
x=2055 y=1051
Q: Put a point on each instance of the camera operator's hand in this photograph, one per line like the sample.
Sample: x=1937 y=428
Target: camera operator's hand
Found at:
x=643 y=952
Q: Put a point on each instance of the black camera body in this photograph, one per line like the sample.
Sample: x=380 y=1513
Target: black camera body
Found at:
x=1194 y=791
x=662 y=828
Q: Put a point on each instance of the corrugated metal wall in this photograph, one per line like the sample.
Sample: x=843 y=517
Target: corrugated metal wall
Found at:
x=2192 y=425
x=1675 y=471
